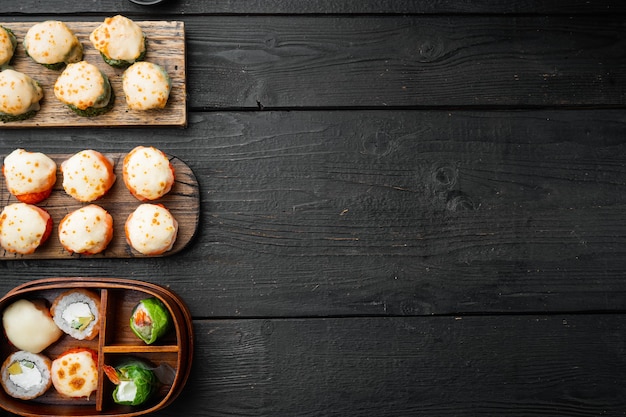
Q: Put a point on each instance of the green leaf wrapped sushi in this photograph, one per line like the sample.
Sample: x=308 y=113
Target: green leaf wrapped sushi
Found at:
x=150 y=320
x=135 y=382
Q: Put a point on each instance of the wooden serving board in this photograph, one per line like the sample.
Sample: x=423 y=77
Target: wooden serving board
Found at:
x=114 y=343
x=165 y=47
x=183 y=201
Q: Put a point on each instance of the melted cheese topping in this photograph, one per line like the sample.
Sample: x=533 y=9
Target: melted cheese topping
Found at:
x=118 y=38
x=151 y=229
x=75 y=374
x=87 y=175
x=82 y=85
x=22 y=227
x=29 y=328
x=148 y=173
x=7 y=46
x=146 y=86
x=19 y=93
x=51 y=42
x=86 y=230
x=29 y=172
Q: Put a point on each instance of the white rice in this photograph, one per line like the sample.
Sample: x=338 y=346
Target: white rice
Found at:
x=37 y=383
x=65 y=302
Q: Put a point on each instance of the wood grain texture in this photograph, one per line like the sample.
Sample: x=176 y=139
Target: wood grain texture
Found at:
x=309 y=213
x=165 y=47
x=432 y=366
x=182 y=201
x=287 y=62
x=297 y=7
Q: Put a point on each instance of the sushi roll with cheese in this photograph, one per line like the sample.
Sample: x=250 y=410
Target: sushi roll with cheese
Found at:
x=19 y=96
x=120 y=41
x=29 y=176
x=146 y=86
x=52 y=44
x=150 y=320
x=26 y=375
x=24 y=227
x=87 y=230
x=135 y=382
x=151 y=229
x=148 y=173
x=87 y=175
x=74 y=373
x=29 y=326
x=84 y=89
x=77 y=313
x=8 y=43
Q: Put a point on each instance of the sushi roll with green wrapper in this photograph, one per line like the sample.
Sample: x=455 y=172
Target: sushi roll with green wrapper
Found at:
x=135 y=382
x=150 y=320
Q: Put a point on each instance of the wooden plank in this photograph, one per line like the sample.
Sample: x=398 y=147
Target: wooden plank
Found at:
x=182 y=201
x=514 y=366
x=386 y=212
x=378 y=62
x=296 y=7
x=166 y=47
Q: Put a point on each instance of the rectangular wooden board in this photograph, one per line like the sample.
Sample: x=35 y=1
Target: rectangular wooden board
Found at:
x=183 y=201
x=165 y=47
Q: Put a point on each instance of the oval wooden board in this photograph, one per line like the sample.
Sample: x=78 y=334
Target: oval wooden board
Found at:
x=165 y=46
x=183 y=201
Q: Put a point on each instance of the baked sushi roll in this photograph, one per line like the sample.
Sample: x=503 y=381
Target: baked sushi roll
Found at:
x=148 y=173
x=146 y=86
x=74 y=373
x=77 y=313
x=135 y=382
x=84 y=89
x=150 y=320
x=24 y=227
x=26 y=375
x=29 y=176
x=120 y=41
x=87 y=175
x=19 y=96
x=8 y=44
x=29 y=326
x=52 y=44
x=87 y=230
x=151 y=229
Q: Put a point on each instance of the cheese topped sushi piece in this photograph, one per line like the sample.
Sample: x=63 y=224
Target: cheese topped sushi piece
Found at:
x=84 y=89
x=77 y=313
x=26 y=375
x=24 y=227
x=8 y=43
x=74 y=373
x=120 y=41
x=148 y=173
x=19 y=96
x=29 y=326
x=151 y=229
x=29 y=176
x=146 y=86
x=52 y=44
x=87 y=175
x=87 y=230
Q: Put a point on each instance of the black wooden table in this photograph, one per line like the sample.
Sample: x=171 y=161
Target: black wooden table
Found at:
x=407 y=207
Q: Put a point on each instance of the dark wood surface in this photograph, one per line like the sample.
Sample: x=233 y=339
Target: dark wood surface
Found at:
x=406 y=208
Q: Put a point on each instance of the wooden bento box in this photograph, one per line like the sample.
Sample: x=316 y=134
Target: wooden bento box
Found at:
x=172 y=354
